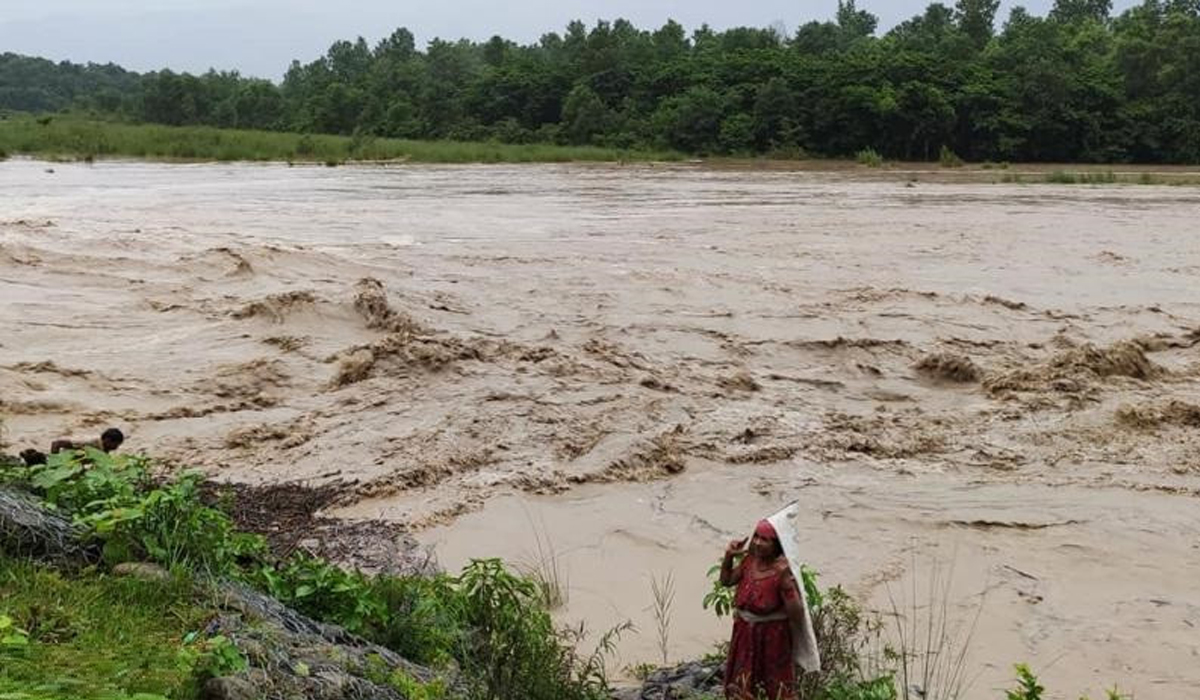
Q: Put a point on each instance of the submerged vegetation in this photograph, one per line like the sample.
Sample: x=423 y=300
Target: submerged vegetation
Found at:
x=953 y=82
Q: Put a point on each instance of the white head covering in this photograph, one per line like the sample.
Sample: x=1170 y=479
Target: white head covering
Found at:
x=804 y=637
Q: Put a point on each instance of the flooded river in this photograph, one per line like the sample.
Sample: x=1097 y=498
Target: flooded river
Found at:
x=606 y=372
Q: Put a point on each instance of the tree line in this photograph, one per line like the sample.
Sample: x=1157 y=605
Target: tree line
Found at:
x=1076 y=85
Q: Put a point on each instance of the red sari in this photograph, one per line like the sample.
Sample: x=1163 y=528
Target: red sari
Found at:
x=760 y=661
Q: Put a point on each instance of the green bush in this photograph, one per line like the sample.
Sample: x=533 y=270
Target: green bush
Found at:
x=1028 y=687
x=424 y=621
x=324 y=591
x=869 y=157
x=948 y=158
x=114 y=497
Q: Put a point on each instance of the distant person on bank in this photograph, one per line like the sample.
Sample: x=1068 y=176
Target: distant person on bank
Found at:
x=109 y=441
x=770 y=617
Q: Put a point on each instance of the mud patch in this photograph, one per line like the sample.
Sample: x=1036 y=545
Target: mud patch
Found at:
x=287 y=515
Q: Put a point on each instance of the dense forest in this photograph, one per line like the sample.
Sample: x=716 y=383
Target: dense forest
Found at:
x=1076 y=85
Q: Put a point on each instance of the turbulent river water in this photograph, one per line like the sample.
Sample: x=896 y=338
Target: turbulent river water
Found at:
x=604 y=373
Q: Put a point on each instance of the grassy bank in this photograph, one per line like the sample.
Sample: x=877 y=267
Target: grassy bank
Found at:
x=73 y=138
x=97 y=636
x=487 y=627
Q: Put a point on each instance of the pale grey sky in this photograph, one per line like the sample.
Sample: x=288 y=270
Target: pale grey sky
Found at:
x=261 y=37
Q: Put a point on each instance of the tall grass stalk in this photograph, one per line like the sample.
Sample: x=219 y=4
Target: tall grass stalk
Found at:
x=546 y=568
x=933 y=642
x=664 y=596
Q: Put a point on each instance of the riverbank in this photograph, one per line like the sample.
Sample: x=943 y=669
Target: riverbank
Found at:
x=73 y=138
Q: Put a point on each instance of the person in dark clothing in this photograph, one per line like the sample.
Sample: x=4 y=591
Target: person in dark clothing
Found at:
x=109 y=441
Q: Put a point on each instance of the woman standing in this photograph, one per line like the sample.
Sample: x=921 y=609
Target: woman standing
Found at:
x=767 y=604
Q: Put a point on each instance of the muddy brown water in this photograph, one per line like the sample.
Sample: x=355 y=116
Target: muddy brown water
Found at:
x=623 y=367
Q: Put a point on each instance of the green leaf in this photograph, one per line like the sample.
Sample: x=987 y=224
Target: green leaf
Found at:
x=47 y=479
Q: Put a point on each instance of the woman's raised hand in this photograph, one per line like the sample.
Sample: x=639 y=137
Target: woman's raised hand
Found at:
x=735 y=547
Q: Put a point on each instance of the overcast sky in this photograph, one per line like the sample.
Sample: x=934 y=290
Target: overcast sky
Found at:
x=261 y=37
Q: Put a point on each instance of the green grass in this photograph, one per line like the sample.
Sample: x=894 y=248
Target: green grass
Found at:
x=869 y=157
x=1060 y=177
x=82 y=139
x=96 y=635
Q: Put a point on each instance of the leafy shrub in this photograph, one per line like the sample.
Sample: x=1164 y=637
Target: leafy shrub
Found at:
x=86 y=481
x=423 y=618
x=512 y=648
x=114 y=497
x=1028 y=687
x=212 y=657
x=13 y=639
x=847 y=639
x=511 y=645
x=881 y=688
x=869 y=157
x=322 y=590
x=719 y=596
x=948 y=158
